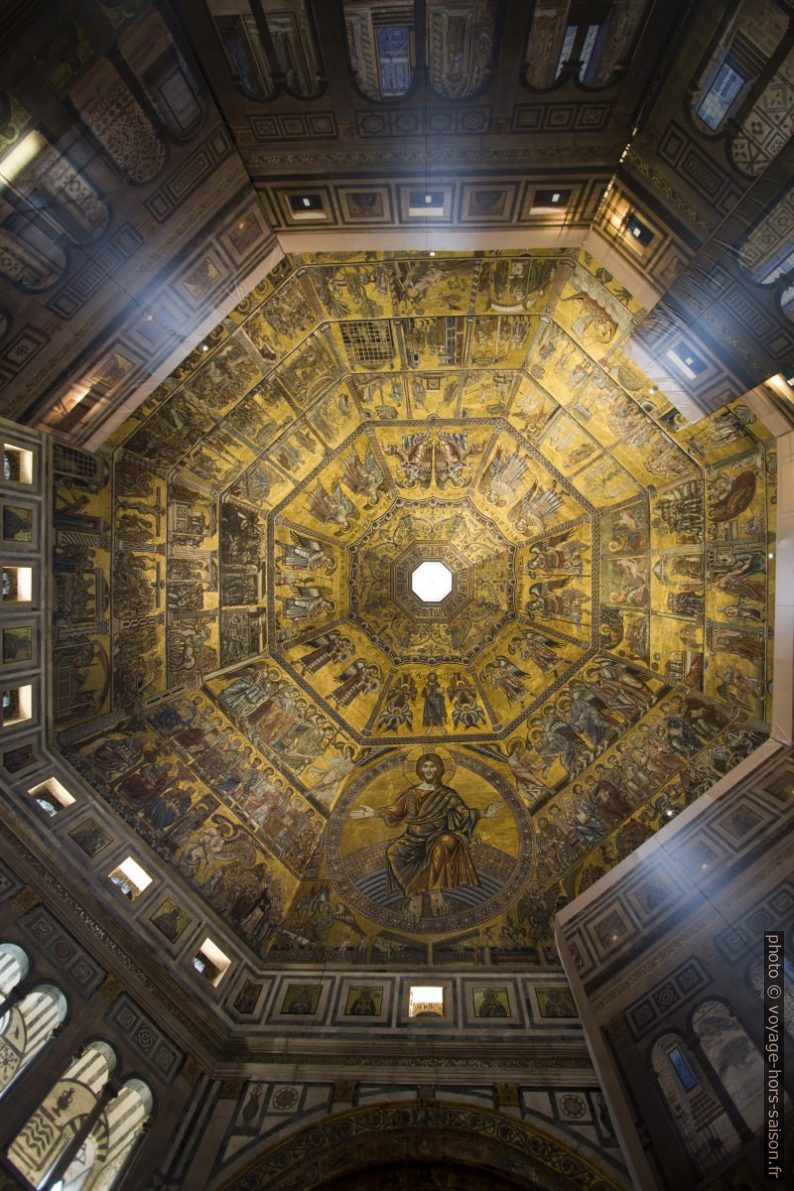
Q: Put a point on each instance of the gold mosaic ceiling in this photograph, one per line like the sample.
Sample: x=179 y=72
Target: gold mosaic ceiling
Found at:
x=342 y=771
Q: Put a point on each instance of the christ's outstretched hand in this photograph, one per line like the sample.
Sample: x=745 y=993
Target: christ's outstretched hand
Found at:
x=364 y=812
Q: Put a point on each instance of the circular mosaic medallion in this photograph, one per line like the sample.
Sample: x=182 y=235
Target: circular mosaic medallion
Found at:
x=442 y=849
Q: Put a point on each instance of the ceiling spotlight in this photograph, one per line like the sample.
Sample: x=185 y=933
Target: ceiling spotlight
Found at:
x=432 y=252
x=204 y=347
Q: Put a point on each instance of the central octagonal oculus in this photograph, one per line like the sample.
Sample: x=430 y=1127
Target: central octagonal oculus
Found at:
x=431 y=581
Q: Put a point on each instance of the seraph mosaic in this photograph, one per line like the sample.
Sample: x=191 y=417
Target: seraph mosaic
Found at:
x=348 y=770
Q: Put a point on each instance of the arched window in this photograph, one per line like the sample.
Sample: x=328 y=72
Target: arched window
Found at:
x=116 y=119
x=460 y=45
x=606 y=48
x=105 y=1151
x=297 y=57
x=733 y=1056
x=25 y=1027
x=769 y=125
x=380 y=45
x=701 y=1122
x=69 y=1109
x=39 y=181
x=277 y=48
x=14 y=966
x=169 y=83
x=29 y=256
x=748 y=39
x=596 y=37
x=239 y=35
x=767 y=254
x=549 y=43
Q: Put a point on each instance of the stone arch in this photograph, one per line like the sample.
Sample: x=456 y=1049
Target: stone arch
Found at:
x=508 y=1151
x=565 y=43
x=695 y=1111
x=46 y=1135
x=733 y=1055
x=14 y=967
x=462 y=43
x=25 y=1028
x=101 y=1160
x=748 y=36
x=440 y=1176
x=766 y=253
x=272 y=52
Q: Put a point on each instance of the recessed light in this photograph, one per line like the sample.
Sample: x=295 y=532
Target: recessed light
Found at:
x=204 y=347
x=433 y=254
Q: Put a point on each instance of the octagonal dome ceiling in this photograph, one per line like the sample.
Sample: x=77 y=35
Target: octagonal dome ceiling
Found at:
x=342 y=770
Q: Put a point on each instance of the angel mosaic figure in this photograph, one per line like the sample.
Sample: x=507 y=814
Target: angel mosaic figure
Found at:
x=504 y=675
x=358 y=677
x=305 y=554
x=365 y=478
x=309 y=602
x=333 y=507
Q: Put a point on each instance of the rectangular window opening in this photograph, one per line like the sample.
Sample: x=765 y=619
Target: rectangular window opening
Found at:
x=130 y=878
x=307 y=206
x=17 y=585
x=567 y=47
x=393 y=48
x=426 y=1000
x=720 y=95
x=17 y=464
x=548 y=201
x=682 y=1069
x=686 y=360
x=587 y=49
x=423 y=204
x=211 y=962
x=639 y=231
x=52 y=796
x=17 y=704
